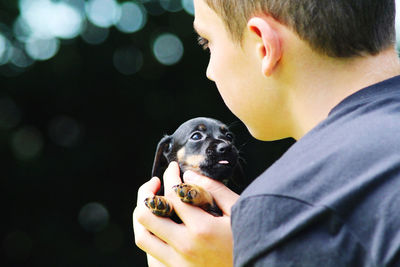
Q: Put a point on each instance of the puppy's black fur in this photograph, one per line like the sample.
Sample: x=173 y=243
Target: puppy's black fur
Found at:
x=203 y=145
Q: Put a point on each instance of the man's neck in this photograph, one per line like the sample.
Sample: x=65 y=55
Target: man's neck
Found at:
x=327 y=82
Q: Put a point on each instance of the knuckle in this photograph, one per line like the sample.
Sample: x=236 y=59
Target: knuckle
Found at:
x=138 y=234
x=188 y=249
x=139 y=215
x=202 y=232
x=139 y=240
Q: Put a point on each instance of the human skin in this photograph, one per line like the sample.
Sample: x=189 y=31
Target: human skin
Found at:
x=202 y=239
x=278 y=87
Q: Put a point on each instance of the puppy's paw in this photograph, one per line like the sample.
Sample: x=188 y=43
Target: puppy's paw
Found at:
x=187 y=193
x=197 y=196
x=193 y=194
x=159 y=206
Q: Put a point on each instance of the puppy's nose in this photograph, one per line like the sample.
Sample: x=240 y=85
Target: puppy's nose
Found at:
x=222 y=148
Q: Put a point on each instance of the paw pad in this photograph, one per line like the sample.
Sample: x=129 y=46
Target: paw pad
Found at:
x=158 y=206
x=186 y=192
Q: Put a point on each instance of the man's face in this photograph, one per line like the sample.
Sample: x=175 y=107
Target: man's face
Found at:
x=237 y=72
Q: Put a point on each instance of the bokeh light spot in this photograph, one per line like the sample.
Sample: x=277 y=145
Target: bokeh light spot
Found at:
x=78 y=5
x=94 y=35
x=10 y=115
x=168 y=49
x=133 y=17
x=188 y=6
x=93 y=217
x=171 y=5
x=65 y=131
x=5 y=50
x=27 y=143
x=3 y=46
x=103 y=13
x=19 y=58
x=153 y=7
x=128 y=60
x=42 y=49
x=21 y=29
x=47 y=19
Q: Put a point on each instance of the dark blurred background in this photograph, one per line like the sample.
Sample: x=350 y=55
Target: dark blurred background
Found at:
x=87 y=90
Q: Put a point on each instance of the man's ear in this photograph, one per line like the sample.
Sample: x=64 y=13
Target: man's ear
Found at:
x=269 y=48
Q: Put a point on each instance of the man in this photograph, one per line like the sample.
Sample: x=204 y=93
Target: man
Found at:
x=323 y=72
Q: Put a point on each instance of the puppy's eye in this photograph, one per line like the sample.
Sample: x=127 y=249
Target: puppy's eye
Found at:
x=196 y=136
x=229 y=136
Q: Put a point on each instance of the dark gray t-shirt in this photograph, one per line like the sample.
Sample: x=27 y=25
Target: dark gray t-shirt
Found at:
x=333 y=199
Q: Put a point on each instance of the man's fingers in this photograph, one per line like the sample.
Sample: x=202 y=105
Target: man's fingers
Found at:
x=171 y=177
x=193 y=217
x=223 y=196
x=148 y=189
x=150 y=243
x=164 y=228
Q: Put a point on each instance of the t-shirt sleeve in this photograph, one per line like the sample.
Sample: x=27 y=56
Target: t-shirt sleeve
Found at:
x=273 y=230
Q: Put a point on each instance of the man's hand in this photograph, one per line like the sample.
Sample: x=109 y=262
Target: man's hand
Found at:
x=201 y=240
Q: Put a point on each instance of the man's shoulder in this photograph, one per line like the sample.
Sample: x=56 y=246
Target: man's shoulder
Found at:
x=351 y=158
x=359 y=133
x=344 y=174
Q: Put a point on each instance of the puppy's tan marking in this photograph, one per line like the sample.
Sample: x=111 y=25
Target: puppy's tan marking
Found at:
x=202 y=127
x=180 y=155
x=194 y=160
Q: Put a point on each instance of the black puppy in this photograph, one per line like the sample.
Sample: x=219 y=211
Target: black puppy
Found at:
x=202 y=145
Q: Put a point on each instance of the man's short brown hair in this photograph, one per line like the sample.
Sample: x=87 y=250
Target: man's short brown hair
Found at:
x=337 y=28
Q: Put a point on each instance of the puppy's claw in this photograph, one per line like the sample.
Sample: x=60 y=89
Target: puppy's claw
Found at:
x=175 y=188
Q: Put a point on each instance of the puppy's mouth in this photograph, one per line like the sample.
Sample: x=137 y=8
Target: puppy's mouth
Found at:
x=226 y=162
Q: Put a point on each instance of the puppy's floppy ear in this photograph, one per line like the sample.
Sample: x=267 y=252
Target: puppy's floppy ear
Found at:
x=160 y=163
